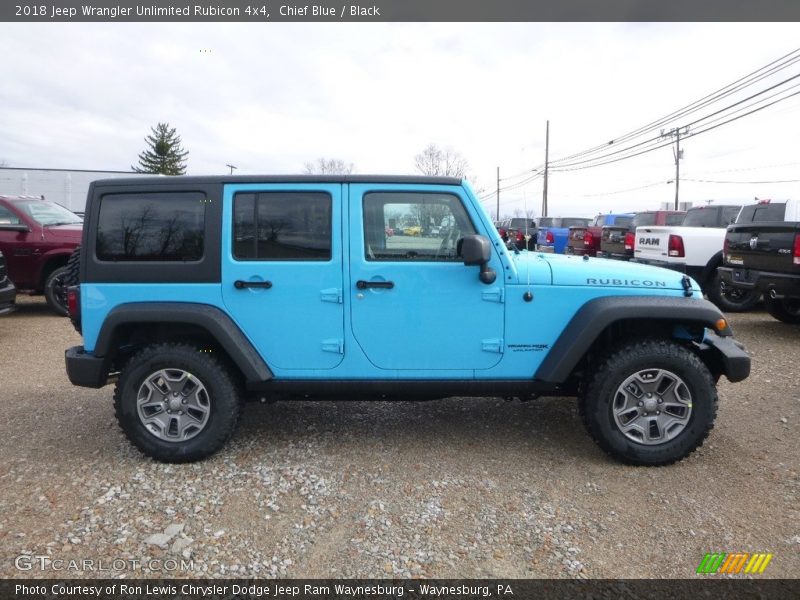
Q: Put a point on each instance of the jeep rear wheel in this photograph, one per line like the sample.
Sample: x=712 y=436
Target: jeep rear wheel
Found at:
x=176 y=403
x=786 y=310
x=55 y=292
x=652 y=402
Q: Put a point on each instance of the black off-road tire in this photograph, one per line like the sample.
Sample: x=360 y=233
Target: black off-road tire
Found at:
x=731 y=299
x=73 y=273
x=596 y=403
x=55 y=291
x=786 y=310
x=223 y=398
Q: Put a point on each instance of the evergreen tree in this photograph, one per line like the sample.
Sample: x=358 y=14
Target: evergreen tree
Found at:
x=164 y=153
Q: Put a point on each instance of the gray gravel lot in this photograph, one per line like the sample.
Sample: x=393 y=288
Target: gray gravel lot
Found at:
x=450 y=488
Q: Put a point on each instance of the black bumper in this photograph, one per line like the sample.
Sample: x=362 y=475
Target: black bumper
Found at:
x=734 y=362
x=699 y=274
x=85 y=369
x=767 y=282
x=8 y=297
x=613 y=255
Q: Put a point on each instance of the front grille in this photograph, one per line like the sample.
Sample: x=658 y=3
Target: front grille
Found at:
x=2 y=268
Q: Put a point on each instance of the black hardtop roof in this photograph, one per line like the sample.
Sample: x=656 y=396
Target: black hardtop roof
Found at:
x=222 y=179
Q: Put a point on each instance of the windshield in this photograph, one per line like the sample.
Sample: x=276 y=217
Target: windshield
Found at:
x=48 y=213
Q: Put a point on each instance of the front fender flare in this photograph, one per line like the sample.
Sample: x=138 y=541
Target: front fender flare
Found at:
x=596 y=315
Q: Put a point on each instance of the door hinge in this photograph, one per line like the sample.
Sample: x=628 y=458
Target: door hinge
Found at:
x=333 y=345
x=492 y=345
x=331 y=295
x=496 y=294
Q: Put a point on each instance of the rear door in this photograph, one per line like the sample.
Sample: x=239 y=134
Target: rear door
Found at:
x=415 y=305
x=282 y=271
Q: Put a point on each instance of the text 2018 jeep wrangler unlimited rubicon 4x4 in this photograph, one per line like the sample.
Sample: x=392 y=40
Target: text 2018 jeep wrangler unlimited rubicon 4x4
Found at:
x=198 y=292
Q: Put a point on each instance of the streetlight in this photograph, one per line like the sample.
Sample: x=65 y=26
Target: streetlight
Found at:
x=232 y=167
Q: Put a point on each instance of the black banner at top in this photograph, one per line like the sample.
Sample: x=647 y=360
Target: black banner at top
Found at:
x=259 y=11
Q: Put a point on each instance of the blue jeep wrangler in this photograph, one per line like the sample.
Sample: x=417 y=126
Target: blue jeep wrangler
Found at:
x=197 y=293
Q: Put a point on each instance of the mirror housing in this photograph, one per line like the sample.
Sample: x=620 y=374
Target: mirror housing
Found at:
x=476 y=250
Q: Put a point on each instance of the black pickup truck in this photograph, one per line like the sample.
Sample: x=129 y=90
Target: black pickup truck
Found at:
x=762 y=251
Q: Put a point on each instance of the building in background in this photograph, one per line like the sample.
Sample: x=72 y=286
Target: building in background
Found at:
x=67 y=187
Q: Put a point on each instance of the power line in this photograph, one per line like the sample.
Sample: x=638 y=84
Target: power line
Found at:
x=578 y=166
x=719 y=94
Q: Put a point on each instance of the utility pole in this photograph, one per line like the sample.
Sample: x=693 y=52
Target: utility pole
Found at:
x=497 y=217
x=678 y=154
x=546 y=163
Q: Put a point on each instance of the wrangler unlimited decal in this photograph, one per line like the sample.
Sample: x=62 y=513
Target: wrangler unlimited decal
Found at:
x=636 y=282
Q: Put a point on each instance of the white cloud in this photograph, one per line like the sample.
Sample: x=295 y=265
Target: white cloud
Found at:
x=269 y=97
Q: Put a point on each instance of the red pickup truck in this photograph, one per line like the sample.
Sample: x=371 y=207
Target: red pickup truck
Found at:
x=37 y=238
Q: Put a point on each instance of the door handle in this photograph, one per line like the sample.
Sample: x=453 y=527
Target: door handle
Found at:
x=385 y=285
x=240 y=285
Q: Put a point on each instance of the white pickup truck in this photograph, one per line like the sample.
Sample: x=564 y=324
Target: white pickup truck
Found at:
x=695 y=248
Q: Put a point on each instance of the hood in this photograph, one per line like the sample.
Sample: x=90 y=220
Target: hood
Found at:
x=601 y=272
x=65 y=232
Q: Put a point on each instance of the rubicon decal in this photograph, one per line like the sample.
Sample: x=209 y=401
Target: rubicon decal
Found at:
x=735 y=563
x=626 y=282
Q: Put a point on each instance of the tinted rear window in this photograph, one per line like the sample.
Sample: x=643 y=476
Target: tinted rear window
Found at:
x=760 y=213
x=674 y=219
x=702 y=217
x=522 y=223
x=644 y=219
x=546 y=221
x=569 y=222
x=623 y=221
x=166 y=226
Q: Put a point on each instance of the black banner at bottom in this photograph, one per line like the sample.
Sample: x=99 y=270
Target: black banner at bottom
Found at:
x=413 y=589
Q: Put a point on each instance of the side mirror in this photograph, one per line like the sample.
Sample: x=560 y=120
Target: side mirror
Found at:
x=17 y=227
x=476 y=250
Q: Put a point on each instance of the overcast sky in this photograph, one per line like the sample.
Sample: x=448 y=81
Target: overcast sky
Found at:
x=270 y=97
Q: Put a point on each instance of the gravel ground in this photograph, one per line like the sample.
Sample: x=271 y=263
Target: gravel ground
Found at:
x=451 y=488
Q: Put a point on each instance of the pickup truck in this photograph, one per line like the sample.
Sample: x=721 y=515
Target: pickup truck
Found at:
x=617 y=241
x=520 y=233
x=762 y=253
x=695 y=248
x=552 y=233
x=37 y=237
x=584 y=240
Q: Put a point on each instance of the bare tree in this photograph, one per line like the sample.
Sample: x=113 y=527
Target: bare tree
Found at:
x=446 y=162
x=328 y=166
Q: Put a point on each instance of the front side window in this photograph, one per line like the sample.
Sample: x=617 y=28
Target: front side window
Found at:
x=414 y=226
x=282 y=226
x=7 y=217
x=164 y=226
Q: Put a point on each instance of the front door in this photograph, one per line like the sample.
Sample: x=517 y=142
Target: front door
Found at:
x=282 y=271
x=415 y=305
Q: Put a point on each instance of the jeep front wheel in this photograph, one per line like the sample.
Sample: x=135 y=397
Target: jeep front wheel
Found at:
x=652 y=402
x=176 y=403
